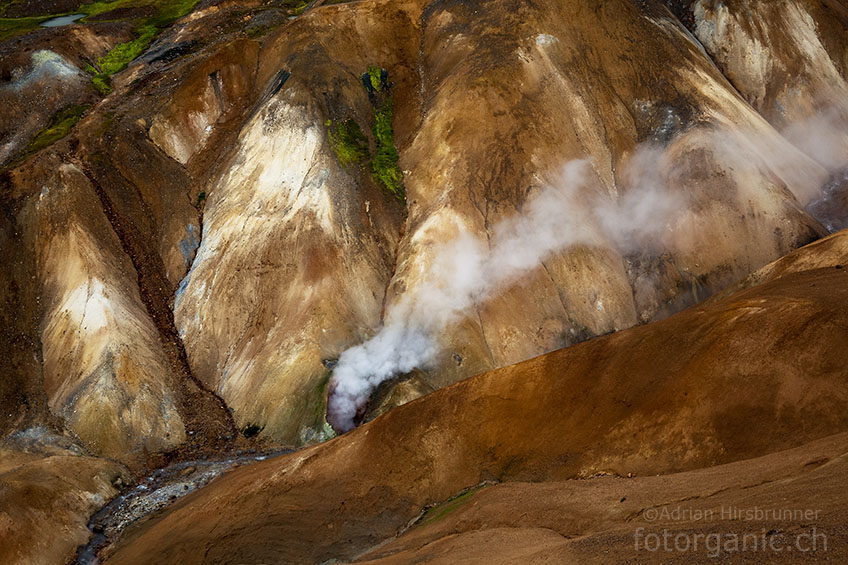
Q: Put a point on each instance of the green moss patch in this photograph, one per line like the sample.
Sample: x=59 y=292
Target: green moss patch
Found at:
x=439 y=511
x=348 y=141
x=385 y=167
x=122 y=54
x=374 y=76
x=351 y=145
x=58 y=128
x=146 y=30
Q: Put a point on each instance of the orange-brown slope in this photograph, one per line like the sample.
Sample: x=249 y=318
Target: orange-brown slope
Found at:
x=831 y=251
x=607 y=519
x=753 y=374
x=47 y=493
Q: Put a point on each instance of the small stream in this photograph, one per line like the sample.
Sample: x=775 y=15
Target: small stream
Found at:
x=62 y=20
x=155 y=492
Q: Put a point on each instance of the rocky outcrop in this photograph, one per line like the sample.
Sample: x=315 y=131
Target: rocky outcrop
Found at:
x=105 y=372
x=99 y=352
x=584 y=100
x=788 y=59
x=297 y=248
x=214 y=90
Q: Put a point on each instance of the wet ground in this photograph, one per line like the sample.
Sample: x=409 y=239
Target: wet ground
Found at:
x=155 y=492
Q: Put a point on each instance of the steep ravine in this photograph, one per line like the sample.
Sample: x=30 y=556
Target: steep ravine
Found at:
x=209 y=423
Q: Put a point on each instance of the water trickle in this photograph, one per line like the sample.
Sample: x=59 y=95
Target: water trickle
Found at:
x=153 y=493
x=62 y=20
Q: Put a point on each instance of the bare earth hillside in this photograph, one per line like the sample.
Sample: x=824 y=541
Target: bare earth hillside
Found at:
x=581 y=258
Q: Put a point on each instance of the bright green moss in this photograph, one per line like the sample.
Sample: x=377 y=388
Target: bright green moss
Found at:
x=102 y=83
x=385 y=164
x=374 y=75
x=348 y=141
x=58 y=128
x=351 y=145
x=146 y=31
x=122 y=54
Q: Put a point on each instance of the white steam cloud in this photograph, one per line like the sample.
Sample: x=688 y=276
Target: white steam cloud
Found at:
x=466 y=271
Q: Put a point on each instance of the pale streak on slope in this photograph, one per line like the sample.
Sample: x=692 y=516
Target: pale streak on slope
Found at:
x=105 y=372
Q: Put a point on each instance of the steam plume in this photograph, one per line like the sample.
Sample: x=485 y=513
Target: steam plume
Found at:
x=466 y=271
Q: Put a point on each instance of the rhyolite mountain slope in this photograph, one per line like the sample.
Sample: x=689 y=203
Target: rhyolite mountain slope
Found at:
x=191 y=242
x=216 y=170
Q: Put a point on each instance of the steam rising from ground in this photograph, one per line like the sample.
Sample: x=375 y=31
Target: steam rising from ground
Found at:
x=466 y=270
